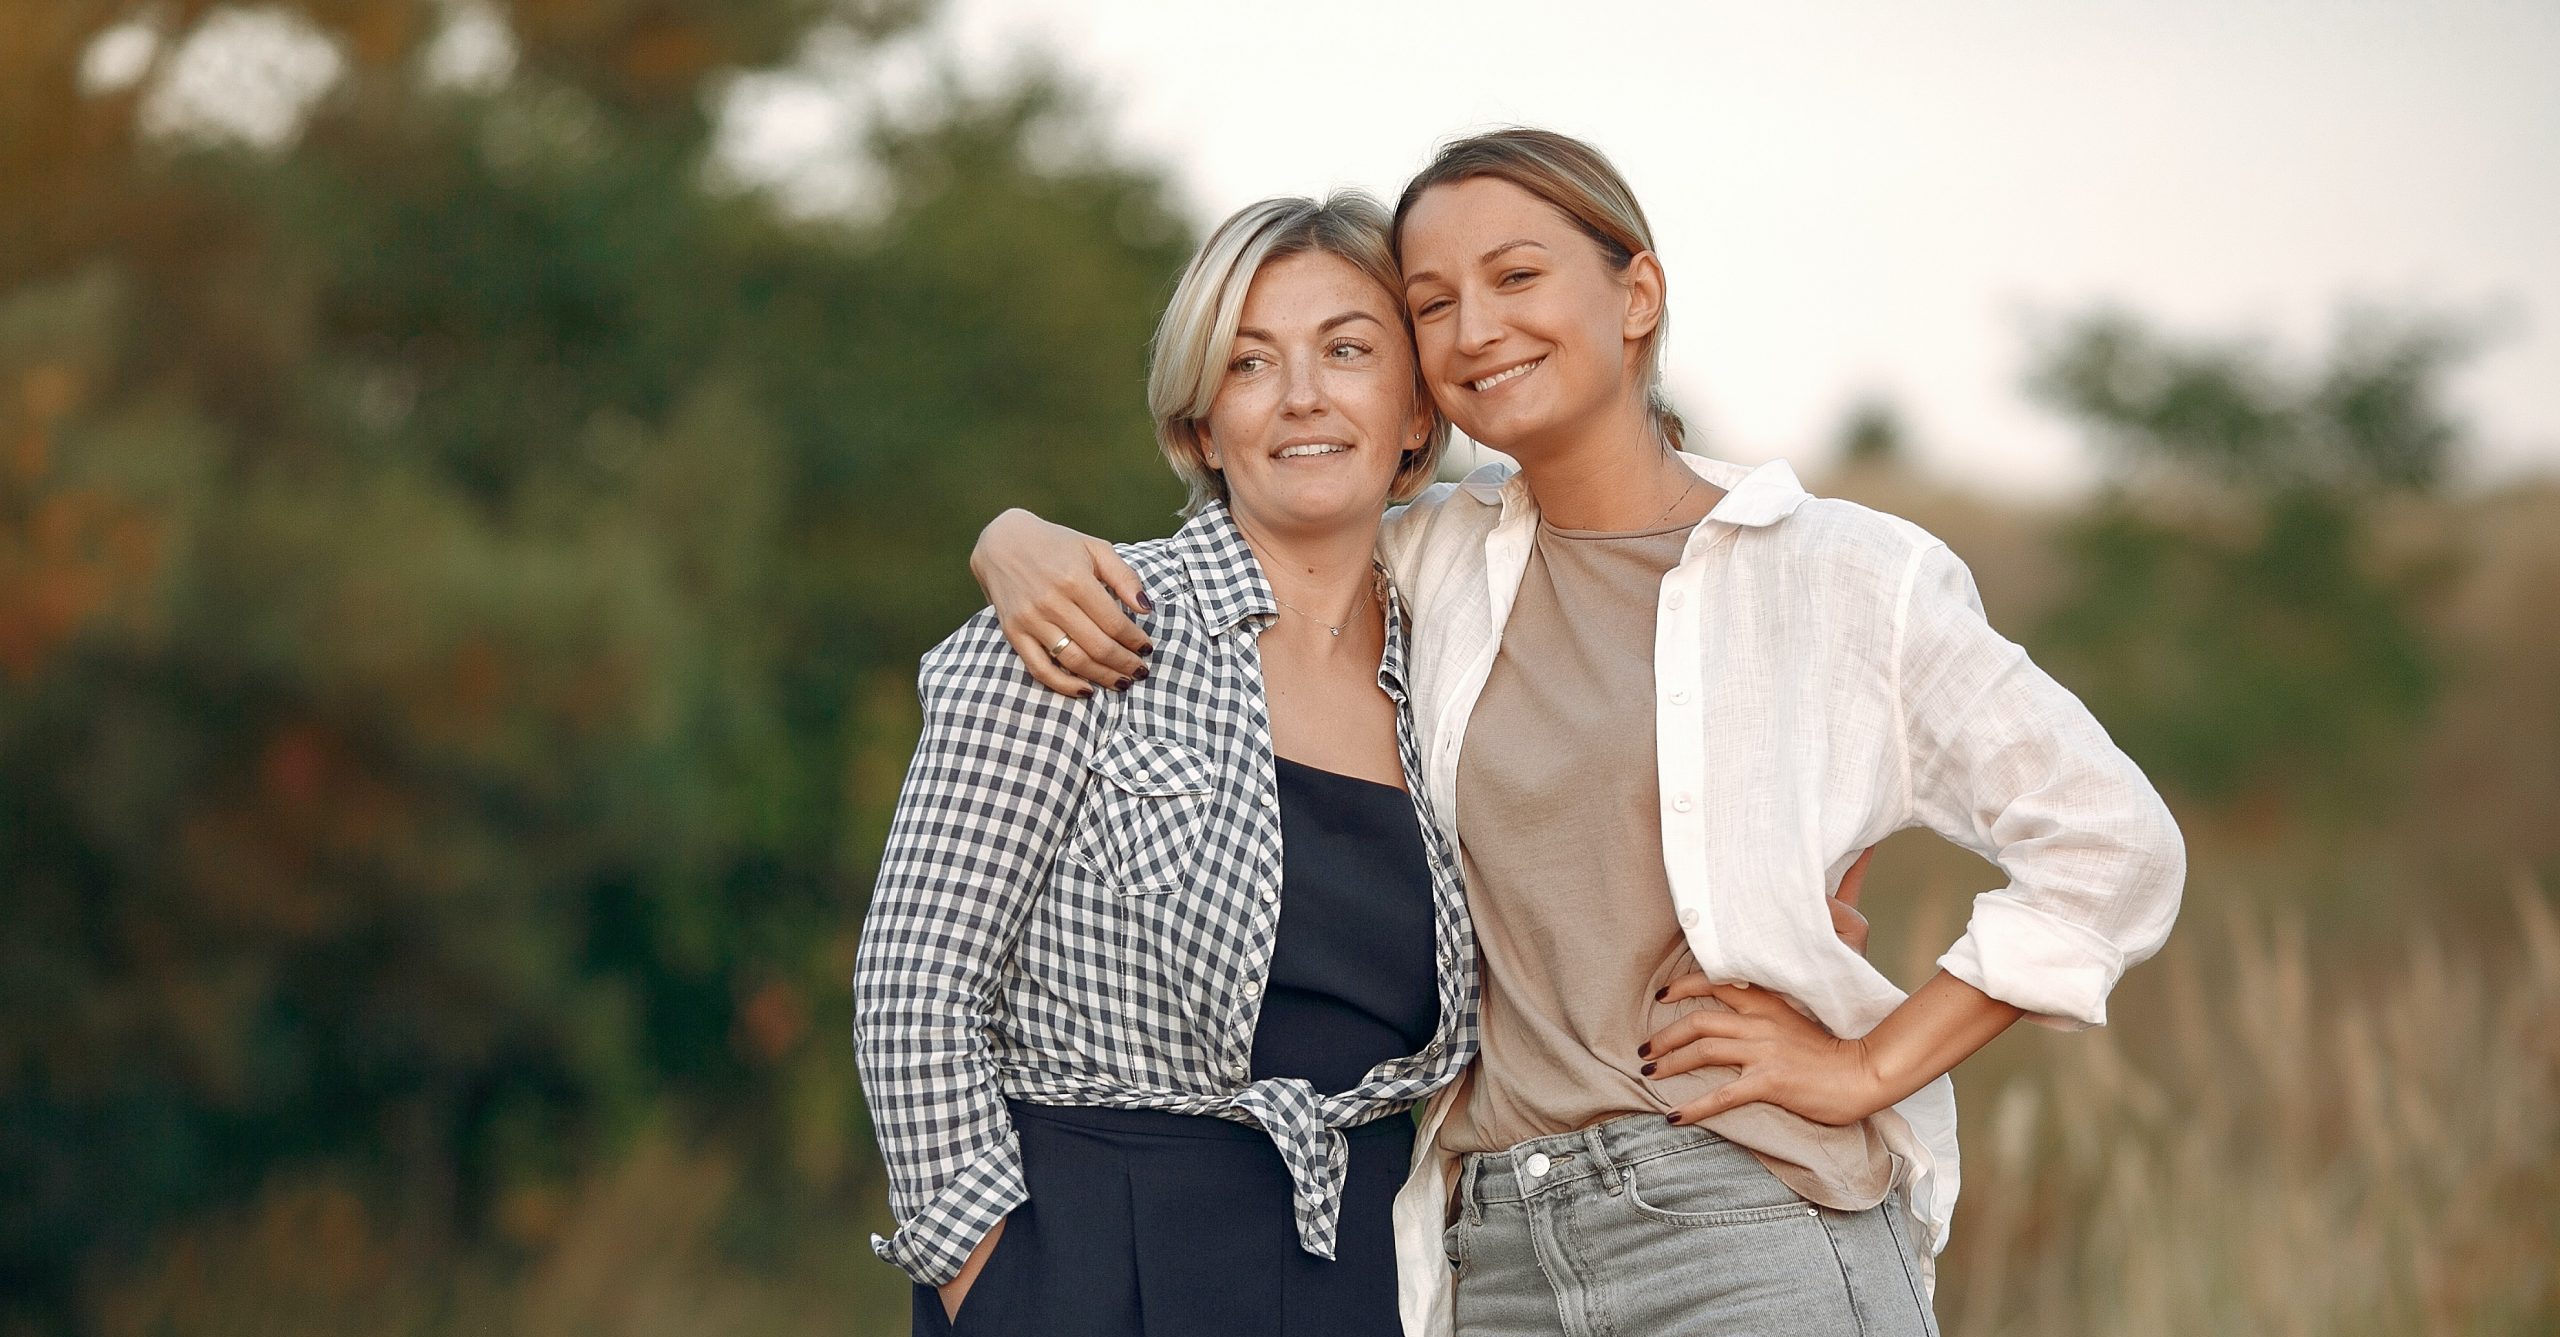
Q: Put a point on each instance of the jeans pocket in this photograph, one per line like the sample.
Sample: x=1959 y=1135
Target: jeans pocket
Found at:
x=1456 y=1243
x=1712 y=1184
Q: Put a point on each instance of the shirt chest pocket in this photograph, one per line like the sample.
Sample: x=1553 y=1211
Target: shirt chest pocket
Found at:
x=1146 y=814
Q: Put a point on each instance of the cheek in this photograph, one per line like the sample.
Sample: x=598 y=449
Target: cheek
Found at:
x=1431 y=348
x=1233 y=414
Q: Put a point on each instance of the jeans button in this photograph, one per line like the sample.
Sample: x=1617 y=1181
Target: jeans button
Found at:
x=1537 y=1165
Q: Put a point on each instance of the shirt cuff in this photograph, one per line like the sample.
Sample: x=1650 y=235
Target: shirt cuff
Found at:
x=2058 y=971
x=931 y=1245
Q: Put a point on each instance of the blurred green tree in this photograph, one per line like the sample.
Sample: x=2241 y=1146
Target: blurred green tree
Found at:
x=461 y=572
x=2231 y=619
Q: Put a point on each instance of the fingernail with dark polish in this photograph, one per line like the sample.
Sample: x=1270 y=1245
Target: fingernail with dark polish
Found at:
x=1139 y=676
x=1645 y=1050
x=1145 y=604
x=1147 y=649
x=1662 y=993
x=1123 y=685
x=1671 y=1118
x=1647 y=1070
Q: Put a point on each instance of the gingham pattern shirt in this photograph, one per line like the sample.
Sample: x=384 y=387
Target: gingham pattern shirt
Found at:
x=1078 y=906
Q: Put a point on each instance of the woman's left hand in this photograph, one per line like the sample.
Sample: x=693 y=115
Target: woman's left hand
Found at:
x=1785 y=1057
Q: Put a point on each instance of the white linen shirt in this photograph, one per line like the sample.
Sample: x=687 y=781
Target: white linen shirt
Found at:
x=1825 y=678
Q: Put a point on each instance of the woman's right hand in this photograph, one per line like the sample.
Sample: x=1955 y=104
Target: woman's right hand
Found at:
x=1048 y=581
x=956 y=1290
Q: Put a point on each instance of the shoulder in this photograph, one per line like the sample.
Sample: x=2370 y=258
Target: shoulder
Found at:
x=1445 y=518
x=1867 y=549
x=1153 y=559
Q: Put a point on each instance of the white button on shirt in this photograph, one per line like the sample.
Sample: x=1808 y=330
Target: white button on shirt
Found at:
x=1863 y=634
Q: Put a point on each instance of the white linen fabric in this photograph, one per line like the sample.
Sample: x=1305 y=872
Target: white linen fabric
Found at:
x=1825 y=678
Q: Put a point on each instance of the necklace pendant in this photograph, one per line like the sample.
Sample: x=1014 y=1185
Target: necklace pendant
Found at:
x=1335 y=630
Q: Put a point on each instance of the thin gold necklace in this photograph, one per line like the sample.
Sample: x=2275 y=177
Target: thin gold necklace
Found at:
x=1377 y=580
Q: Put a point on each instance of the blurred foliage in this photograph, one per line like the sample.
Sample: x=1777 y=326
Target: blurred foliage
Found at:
x=2231 y=619
x=461 y=573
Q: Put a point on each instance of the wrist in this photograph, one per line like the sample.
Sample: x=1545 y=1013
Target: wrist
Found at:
x=1870 y=1083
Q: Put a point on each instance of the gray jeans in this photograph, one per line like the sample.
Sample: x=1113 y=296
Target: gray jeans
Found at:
x=1636 y=1228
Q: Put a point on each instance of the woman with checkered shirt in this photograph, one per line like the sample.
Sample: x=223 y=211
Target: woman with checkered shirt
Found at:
x=1151 y=976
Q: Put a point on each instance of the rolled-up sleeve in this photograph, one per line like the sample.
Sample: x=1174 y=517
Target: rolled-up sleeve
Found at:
x=995 y=780
x=2005 y=761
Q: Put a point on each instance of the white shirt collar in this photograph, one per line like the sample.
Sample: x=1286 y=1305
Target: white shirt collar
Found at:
x=1753 y=495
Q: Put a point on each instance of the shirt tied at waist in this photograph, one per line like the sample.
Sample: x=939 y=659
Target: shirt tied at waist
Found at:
x=1308 y=1130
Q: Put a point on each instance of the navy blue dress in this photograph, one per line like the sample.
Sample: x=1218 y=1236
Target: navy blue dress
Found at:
x=1142 y=1223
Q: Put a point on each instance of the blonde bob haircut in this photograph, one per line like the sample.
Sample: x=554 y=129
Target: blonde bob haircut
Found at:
x=1198 y=333
x=1579 y=182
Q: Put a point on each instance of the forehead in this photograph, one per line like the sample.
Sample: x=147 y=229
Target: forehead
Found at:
x=1454 y=221
x=1309 y=288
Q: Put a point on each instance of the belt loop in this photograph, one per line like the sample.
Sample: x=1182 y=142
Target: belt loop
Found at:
x=1612 y=1174
x=1469 y=1199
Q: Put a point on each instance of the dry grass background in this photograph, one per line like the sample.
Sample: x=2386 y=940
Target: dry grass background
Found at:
x=2331 y=1106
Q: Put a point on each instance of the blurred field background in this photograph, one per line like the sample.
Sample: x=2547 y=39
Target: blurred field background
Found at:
x=462 y=564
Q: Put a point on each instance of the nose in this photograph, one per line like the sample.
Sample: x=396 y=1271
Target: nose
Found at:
x=1305 y=389
x=1477 y=330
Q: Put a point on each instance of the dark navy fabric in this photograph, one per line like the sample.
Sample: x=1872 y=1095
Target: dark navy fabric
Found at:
x=1352 y=981
x=1143 y=1223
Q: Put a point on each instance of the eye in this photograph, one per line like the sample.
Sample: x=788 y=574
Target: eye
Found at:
x=1519 y=275
x=1346 y=350
x=1430 y=307
x=1248 y=364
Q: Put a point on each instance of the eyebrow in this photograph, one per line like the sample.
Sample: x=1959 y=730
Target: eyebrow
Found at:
x=1329 y=326
x=1485 y=259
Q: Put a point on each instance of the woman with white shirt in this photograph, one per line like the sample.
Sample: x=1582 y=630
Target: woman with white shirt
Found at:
x=1663 y=703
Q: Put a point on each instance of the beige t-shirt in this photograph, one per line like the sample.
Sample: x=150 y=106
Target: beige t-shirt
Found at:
x=1562 y=841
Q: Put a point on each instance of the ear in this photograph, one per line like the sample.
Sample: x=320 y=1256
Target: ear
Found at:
x=1645 y=295
x=1208 y=448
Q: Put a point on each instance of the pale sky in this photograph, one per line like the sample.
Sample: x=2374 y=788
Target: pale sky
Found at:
x=1876 y=196
x=1851 y=197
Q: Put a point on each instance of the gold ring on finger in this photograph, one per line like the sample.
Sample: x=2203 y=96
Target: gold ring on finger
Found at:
x=1059 y=646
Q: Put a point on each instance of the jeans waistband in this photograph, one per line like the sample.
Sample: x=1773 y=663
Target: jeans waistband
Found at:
x=1544 y=1164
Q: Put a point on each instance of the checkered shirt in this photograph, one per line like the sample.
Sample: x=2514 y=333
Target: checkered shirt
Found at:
x=1078 y=906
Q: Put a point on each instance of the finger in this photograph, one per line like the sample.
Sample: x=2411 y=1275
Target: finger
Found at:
x=1743 y=998
x=1084 y=642
x=1043 y=669
x=1691 y=985
x=1854 y=881
x=1741 y=1091
x=1120 y=580
x=1691 y=1027
x=1118 y=651
x=1849 y=925
x=1079 y=657
x=1712 y=1052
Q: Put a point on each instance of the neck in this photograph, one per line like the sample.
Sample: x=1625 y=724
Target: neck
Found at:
x=1614 y=474
x=1324 y=575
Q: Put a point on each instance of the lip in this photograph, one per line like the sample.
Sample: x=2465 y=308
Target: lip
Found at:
x=1502 y=376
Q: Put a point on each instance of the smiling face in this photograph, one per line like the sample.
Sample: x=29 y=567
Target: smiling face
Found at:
x=1318 y=404
x=1528 y=338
